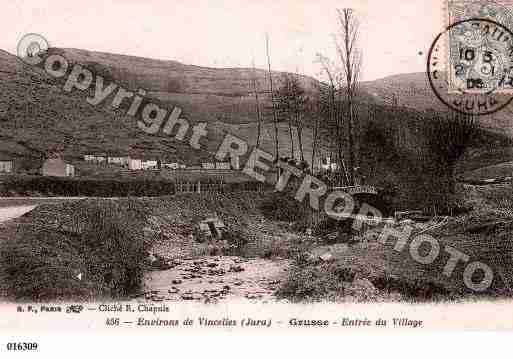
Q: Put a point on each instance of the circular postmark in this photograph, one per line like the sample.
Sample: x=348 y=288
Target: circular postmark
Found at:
x=30 y=47
x=470 y=66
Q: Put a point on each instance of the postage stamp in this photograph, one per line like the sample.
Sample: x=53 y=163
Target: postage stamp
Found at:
x=480 y=46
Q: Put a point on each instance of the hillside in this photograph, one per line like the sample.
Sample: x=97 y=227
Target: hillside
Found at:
x=413 y=91
x=37 y=115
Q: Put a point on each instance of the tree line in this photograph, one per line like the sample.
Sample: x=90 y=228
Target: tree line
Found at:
x=338 y=119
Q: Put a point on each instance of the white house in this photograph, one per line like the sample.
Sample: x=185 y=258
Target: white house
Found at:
x=6 y=166
x=135 y=164
x=223 y=165
x=70 y=170
x=149 y=164
x=208 y=165
x=327 y=165
x=94 y=158
x=173 y=166
x=235 y=162
x=118 y=160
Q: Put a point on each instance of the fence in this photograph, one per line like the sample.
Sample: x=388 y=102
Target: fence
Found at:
x=61 y=186
x=200 y=187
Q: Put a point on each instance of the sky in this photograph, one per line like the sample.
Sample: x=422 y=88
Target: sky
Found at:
x=395 y=34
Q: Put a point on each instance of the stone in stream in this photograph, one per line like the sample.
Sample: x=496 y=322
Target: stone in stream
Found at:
x=211 y=293
x=187 y=296
x=253 y=295
x=192 y=296
x=236 y=268
x=219 y=271
x=176 y=281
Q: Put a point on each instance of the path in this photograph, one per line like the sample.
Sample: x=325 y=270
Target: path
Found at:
x=7 y=213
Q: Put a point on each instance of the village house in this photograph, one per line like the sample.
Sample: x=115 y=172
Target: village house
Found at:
x=208 y=165
x=56 y=167
x=6 y=165
x=234 y=161
x=135 y=164
x=119 y=160
x=172 y=166
x=95 y=158
x=327 y=165
x=223 y=165
x=149 y=164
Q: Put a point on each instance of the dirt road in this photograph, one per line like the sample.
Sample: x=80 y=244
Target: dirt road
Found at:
x=7 y=213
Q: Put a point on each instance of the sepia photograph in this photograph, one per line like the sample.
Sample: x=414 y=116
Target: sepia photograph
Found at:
x=222 y=164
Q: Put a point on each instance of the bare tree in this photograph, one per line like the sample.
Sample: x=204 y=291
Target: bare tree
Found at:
x=301 y=103
x=350 y=57
x=284 y=107
x=257 y=105
x=333 y=104
x=275 y=118
x=292 y=105
x=315 y=111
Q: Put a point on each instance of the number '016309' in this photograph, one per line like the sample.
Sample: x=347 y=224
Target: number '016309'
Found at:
x=21 y=346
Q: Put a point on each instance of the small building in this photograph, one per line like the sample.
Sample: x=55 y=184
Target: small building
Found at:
x=208 y=166
x=234 y=161
x=56 y=167
x=173 y=166
x=118 y=160
x=149 y=164
x=135 y=164
x=327 y=165
x=6 y=166
x=223 y=165
x=95 y=158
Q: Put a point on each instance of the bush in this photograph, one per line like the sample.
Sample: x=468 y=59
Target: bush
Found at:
x=310 y=283
x=103 y=241
x=414 y=290
x=87 y=187
x=281 y=206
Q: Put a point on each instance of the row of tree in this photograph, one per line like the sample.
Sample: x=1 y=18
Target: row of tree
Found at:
x=328 y=109
x=333 y=113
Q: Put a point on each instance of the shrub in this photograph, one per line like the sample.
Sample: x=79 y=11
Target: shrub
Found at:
x=103 y=241
x=309 y=283
x=87 y=187
x=282 y=206
x=414 y=290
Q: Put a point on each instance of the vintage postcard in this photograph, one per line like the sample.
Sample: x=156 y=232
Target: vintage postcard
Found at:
x=266 y=166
